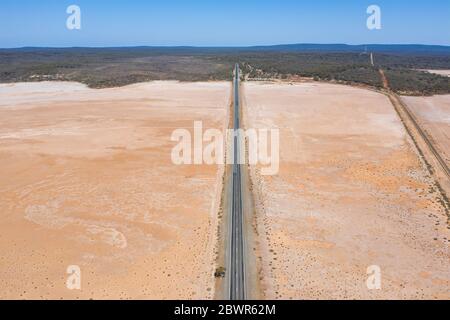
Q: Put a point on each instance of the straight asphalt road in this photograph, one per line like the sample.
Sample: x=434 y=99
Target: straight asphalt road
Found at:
x=237 y=290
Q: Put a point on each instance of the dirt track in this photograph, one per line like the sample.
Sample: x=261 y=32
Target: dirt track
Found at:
x=433 y=113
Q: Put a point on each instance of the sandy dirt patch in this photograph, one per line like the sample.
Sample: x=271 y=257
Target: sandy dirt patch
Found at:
x=433 y=114
x=87 y=180
x=351 y=193
x=440 y=72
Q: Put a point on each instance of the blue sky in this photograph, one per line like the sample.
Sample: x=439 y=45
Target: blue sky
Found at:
x=221 y=23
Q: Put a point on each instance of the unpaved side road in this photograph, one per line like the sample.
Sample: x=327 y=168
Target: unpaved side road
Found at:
x=426 y=146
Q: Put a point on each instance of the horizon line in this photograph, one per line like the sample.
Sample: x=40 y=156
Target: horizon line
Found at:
x=230 y=46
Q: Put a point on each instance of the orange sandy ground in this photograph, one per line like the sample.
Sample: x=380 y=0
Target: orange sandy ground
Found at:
x=351 y=193
x=87 y=180
x=440 y=72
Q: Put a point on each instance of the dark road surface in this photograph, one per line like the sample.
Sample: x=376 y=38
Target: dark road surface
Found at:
x=236 y=254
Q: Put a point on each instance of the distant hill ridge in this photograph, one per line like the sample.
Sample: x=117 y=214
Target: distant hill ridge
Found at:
x=301 y=47
x=388 y=48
